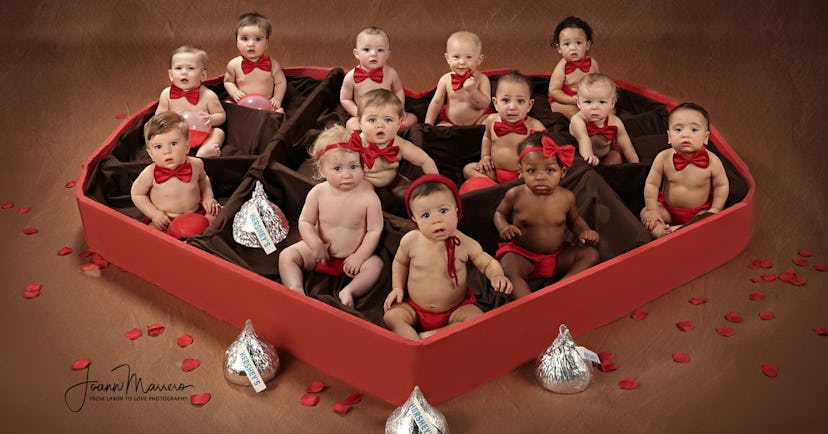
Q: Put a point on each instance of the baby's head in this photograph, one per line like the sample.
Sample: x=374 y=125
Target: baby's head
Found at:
x=463 y=52
x=543 y=163
x=573 y=37
x=513 y=97
x=335 y=160
x=373 y=46
x=380 y=114
x=188 y=67
x=433 y=203
x=688 y=128
x=597 y=95
x=252 y=35
x=165 y=135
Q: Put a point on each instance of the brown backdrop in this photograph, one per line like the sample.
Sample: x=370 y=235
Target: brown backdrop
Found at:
x=70 y=67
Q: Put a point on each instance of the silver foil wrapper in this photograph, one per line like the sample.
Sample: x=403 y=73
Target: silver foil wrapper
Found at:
x=416 y=416
x=262 y=354
x=273 y=219
x=561 y=368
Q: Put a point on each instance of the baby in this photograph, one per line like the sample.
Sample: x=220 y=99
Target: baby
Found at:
x=462 y=96
x=186 y=94
x=540 y=210
x=373 y=46
x=175 y=185
x=429 y=272
x=380 y=113
x=601 y=135
x=254 y=72
x=340 y=224
x=678 y=186
x=505 y=129
x=573 y=37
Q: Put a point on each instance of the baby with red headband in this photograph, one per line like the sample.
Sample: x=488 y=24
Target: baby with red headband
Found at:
x=533 y=217
x=428 y=275
x=340 y=224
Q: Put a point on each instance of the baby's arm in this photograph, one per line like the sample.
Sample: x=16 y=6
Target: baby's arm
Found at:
x=556 y=82
x=373 y=231
x=399 y=272
x=721 y=186
x=486 y=164
x=437 y=101
x=578 y=129
x=209 y=202
x=480 y=90
x=650 y=215
x=230 y=80
x=488 y=266
x=578 y=225
x=396 y=84
x=140 y=197
x=308 y=220
x=216 y=115
x=623 y=139
x=279 y=85
x=346 y=94
x=163 y=101
x=416 y=156
x=506 y=230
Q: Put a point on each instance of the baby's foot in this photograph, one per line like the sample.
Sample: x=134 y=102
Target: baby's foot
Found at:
x=426 y=334
x=208 y=150
x=346 y=298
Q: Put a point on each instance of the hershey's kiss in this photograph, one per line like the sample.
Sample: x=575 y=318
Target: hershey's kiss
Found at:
x=262 y=357
x=272 y=218
x=416 y=416
x=561 y=368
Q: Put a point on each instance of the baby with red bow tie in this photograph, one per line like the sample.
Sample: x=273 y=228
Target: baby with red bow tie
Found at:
x=533 y=217
x=573 y=39
x=463 y=95
x=175 y=184
x=504 y=130
x=188 y=69
x=254 y=72
x=373 y=47
x=601 y=135
x=686 y=180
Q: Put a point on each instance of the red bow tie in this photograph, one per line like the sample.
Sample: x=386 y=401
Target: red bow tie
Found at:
x=458 y=80
x=371 y=152
x=608 y=131
x=263 y=63
x=361 y=74
x=700 y=158
x=183 y=172
x=584 y=65
x=502 y=128
x=191 y=95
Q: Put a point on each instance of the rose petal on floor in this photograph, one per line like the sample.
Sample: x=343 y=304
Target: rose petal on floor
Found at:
x=341 y=407
x=734 y=316
x=800 y=262
x=155 y=329
x=770 y=369
x=81 y=363
x=756 y=295
x=70 y=184
x=681 y=357
x=684 y=326
x=769 y=277
x=697 y=300
x=309 y=400
x=821 y=331
x=607 y=363
x=63 y=251
x=89 y=267
x=724 y=331
x=757 y=279
x=184 y=340
x=120 y=115
x=200 y=398
x=804 y=253
x=788 y=275
x=638 y=315
x=767 y=315
x=352 y=398
x=23 y=210
x=628 y=383
x=86 y=253
x=133 y=334
x=99 y=261
x=32 y=290
x=765 y=263
x=798 y=281
x=315 y=387
x=189 y=364
x=30 y=230
x=821 y=267
x=7 y=205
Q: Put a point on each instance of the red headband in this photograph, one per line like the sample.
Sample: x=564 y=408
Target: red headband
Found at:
x=433 y=178
x=345 y=145
x=565 y=153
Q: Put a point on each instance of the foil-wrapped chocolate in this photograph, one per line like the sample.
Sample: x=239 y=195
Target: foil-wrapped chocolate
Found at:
x=561 y=368
x=416 y=416
x=259 y=222
x=250 y=360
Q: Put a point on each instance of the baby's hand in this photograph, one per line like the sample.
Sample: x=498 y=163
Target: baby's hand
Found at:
x=650 y=218
x=206 y=118
x=160 y=220
x=238 y=95
x=470 y=83
x=502 y=284
x=212 y=206
x=320 y=253
x=486 y=164
x=588 y=236
x=395 y=296
x=590 y=158
x=509 y=232
x=352 y=265
x=275 y=103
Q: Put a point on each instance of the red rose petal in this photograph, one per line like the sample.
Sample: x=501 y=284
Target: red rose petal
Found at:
x=606 y=359
x=316 y=387
x=309 y=400
x=681 y=357
x=120 y=115
x=608 y=367
x=70 y=184
x=821 y=331
x=89 y=266
x=767 y=315
x=23 y=210
x=764 y=263
x=697 y=300
x=63 y=251
x=341 y=407
x=200 y=398
x=32 y=290
x=724 y=331
x=684 y=326
x=800 y=262
x=184 y=340
x=756 y=279
x=821 y=267
x=133 y=334
x=769 y=277
x=86 y=253
x=804 y=253
x=756 y=295
x=733 y=316
x=770 y=369
x=638 y=315
x=352 y=398
x=155 y=329
x=189 y=364
x=30 y=230
x=7 y=205
x=798 y=281
x=628 y=383
x=81 y=363
x=99 y=261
